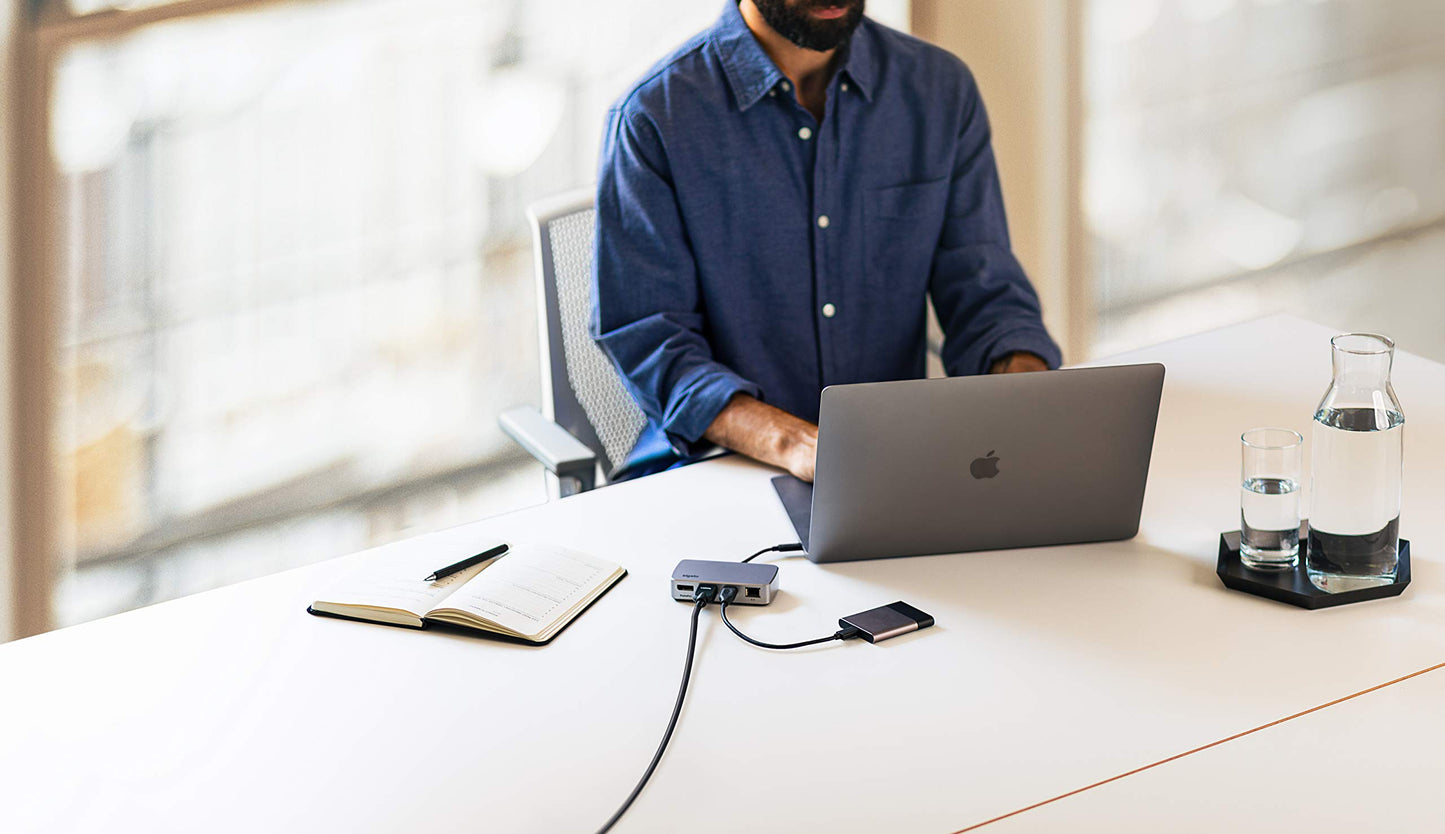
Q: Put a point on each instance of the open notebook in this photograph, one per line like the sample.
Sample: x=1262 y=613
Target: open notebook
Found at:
x=531 y=592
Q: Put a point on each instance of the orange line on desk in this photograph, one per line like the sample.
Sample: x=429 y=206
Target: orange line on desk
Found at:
x=1199 y=749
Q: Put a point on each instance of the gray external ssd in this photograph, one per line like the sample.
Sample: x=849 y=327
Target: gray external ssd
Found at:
x=878 y=624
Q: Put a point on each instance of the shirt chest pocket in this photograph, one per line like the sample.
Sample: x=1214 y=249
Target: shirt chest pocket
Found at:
x=901 y=225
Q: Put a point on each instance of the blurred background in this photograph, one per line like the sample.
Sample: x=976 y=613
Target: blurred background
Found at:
x=270 y=278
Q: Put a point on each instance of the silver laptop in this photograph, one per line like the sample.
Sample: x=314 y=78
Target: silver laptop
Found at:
x=977 y=463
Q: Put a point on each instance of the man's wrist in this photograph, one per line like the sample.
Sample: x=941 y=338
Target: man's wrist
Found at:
x=1032 y=360
x=765 y=433
x=789 y=437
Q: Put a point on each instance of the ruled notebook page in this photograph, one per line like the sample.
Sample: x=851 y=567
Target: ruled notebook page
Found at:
x=531 y=592
x=392 y=591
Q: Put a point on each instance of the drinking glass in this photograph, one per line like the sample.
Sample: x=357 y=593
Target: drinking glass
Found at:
x=1269 y=498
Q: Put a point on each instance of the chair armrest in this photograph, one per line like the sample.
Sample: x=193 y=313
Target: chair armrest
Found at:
x=564 y=455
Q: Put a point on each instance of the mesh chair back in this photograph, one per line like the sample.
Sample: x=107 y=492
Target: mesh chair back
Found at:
x=582 y=391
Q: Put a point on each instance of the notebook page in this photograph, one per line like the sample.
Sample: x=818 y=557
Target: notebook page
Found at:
x=532 y=587
x=395 y=584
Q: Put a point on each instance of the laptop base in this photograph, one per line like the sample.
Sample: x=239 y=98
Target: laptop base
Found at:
x=797 y=498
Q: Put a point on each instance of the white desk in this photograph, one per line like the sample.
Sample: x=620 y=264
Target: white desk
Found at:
x=1049 y=669
x=1371 y=763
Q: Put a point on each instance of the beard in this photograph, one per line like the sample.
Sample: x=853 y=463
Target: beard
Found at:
x=793 y=19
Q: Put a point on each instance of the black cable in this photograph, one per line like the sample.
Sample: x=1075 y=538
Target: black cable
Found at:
x=777 y=548
x=761 y=644
x=703 y=596
x=730 y=592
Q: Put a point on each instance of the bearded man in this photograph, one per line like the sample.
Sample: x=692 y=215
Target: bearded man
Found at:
x=776 y=201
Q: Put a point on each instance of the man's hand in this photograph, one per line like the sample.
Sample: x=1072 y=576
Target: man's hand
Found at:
x=751 y=427
x=1018 y=363
x=802 y=455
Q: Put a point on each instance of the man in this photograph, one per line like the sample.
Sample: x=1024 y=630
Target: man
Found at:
x=775 y=202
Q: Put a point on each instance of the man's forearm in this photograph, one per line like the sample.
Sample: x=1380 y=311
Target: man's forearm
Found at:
x=751 y=427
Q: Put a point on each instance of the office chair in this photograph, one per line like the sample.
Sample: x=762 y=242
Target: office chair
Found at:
x=588 y=423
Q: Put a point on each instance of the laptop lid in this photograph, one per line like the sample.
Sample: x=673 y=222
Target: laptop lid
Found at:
x=982 y=462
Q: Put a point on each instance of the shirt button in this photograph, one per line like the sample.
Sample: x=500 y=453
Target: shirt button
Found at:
x=805 y=133
x=829 y=311
x=785 y=86
x=844 y=86
x=772 y=92
x=823 y=221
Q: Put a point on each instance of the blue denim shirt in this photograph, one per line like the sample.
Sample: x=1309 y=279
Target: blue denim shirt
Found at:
x=742 y=246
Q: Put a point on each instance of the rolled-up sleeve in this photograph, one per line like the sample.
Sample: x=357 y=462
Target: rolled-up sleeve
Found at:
x=986 y=305
x=647 y=314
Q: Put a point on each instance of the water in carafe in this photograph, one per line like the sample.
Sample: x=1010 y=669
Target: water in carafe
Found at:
x=1358 y=444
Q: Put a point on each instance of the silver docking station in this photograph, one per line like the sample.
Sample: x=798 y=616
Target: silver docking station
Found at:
x=756 y=584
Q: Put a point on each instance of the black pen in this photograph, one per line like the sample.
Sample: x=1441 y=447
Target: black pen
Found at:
x=442 y=573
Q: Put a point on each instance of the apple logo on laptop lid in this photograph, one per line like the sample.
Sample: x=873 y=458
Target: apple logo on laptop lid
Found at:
x=984 y=467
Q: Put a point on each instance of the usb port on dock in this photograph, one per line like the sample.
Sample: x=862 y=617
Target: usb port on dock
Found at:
x=753 y=593
x=687 y=589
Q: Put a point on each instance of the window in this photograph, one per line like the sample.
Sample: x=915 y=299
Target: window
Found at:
x=292 y=270
x=1245 y=156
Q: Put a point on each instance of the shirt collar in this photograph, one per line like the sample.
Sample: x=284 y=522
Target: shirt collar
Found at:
x=751 y=73
x=861 y=62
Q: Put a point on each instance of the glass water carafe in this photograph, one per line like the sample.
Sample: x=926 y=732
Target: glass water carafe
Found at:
x=1358 y=442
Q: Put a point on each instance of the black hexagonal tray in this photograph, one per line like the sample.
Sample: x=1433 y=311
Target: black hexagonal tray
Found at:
x=1293 y=586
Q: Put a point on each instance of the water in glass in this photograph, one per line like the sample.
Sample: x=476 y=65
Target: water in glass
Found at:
x=1269 y=523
